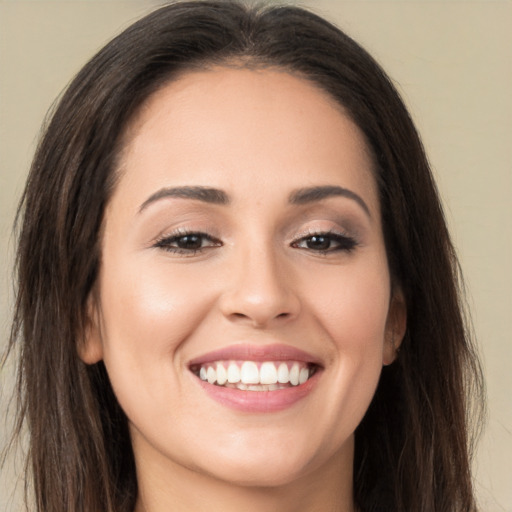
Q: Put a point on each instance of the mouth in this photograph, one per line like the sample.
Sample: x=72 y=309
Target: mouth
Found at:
x=257 y=378
x=255 y=375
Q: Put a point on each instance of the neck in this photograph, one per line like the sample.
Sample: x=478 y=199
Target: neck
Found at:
x=167 y=486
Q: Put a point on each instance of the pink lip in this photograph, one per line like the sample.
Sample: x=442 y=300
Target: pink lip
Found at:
x=250 y=352
x=258 y=401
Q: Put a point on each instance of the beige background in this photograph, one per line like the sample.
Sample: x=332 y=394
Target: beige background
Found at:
x=451 y=60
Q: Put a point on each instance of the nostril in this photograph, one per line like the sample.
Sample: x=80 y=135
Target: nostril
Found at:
x=259 y=307
x=259 y=319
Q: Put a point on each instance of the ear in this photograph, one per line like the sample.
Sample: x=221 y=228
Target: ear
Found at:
x=90 y=348
x=396 y=325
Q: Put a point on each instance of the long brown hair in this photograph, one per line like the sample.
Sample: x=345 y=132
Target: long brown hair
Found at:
x=413 y=446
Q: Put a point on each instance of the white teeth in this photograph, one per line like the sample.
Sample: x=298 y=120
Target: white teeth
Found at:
x=211 y=375
x=294 y=374
x=233 y=373
x=252 y=376
x=268 y=373
x=283 y=374
x=249 y=373
x=222 y=374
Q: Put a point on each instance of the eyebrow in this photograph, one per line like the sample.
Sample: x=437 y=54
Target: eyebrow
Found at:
x=205 y=194
x=216 y=196
x=313 y=194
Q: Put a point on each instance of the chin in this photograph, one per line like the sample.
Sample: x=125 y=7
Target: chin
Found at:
x=269 y=473
x=270 y=467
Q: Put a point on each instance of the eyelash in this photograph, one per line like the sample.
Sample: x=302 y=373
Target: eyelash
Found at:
x=344 y=242
x=166 y=242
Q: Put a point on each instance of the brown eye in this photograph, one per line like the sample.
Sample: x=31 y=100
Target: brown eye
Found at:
x=187 y=243
x=190 y=242
x=323 y=243
x=318 y=243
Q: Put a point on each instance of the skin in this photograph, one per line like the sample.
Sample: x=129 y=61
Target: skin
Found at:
x=257 y=135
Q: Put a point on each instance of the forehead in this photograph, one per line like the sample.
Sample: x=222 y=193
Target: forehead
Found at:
x=225 y=126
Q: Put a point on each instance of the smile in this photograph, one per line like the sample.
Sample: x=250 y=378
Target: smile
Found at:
x=255 y=375
x=255 y=378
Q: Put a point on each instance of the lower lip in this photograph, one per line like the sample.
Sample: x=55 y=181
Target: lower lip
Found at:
x=259 y=401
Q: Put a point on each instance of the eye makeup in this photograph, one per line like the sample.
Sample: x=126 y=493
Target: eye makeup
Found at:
x=325 y=242
x=186 y=242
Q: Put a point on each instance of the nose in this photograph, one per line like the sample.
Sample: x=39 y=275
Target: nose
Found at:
x=260 y=290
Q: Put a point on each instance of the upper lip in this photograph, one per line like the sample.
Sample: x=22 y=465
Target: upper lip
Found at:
x=256 y=352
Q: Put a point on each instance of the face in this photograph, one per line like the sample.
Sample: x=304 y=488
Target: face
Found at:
x=244 y=308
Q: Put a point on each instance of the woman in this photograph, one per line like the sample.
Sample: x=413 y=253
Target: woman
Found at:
x=236 y=286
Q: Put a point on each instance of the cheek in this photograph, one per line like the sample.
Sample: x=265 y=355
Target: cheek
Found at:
x=352 y=309
x=149 y=306
x=353 y=305
x=147 y=314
